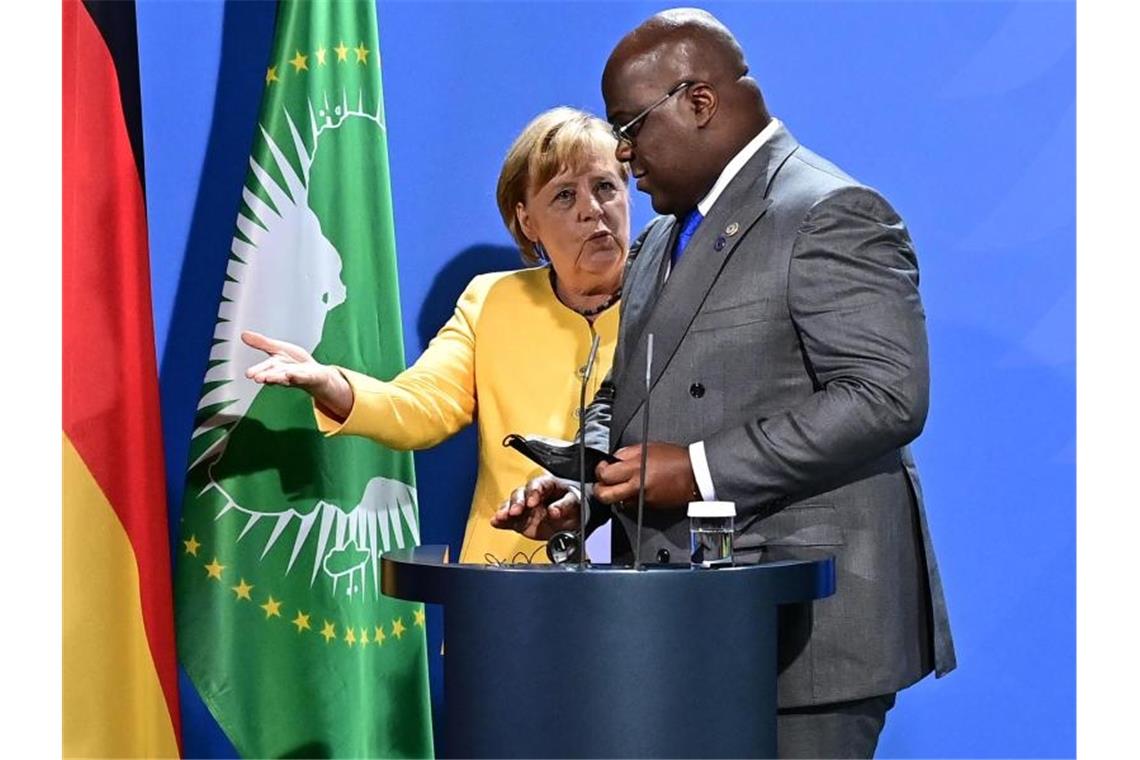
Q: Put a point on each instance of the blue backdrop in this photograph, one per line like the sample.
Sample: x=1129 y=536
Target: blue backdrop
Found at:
x=963 y=114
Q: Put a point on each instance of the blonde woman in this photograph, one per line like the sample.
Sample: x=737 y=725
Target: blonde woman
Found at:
x=508 y=359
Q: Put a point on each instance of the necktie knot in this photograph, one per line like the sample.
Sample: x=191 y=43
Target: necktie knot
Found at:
x=689 y=226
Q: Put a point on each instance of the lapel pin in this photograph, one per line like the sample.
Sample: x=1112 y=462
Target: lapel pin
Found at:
x=732 y=229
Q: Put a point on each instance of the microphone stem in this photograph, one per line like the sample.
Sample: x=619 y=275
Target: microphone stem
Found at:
x=644 y=454
x=584 y=507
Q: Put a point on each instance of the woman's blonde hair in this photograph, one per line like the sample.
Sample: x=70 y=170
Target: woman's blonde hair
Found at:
x=554 y=140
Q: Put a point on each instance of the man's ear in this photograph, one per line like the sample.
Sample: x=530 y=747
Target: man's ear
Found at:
x=526 y=224
x=704 y=101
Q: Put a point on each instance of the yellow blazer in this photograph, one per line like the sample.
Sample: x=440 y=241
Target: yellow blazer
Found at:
x=508 y=359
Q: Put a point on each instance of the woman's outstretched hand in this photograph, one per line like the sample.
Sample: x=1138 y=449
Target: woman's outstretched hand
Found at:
x=293 y=366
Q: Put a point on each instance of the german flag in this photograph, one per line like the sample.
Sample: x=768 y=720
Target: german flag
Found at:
x=120 y=694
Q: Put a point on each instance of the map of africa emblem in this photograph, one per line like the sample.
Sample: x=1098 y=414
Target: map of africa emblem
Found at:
x=283 y=280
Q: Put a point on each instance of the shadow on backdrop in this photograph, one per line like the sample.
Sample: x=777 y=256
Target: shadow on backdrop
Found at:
x=445 y=474
x=247 y=37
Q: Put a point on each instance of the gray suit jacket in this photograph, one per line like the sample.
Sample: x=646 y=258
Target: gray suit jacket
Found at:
x=794 y=346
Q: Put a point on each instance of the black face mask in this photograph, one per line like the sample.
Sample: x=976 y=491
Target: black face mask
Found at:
x=560 y=461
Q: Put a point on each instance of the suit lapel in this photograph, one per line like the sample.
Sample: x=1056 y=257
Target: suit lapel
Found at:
x=668 y=316
x=641 y=292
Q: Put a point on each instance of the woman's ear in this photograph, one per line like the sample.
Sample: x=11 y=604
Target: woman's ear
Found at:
x=525 y=222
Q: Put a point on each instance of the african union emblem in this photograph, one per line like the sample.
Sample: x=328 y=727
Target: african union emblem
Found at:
x=282 y=626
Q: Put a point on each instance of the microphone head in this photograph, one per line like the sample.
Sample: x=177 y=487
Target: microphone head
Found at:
x=564 y=547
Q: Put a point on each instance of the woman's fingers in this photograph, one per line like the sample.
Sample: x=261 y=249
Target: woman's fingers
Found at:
x=276 y=371
x=275 y=375
x=272 y=346
x=262 y=367
x=286 y=364
x=258 y=341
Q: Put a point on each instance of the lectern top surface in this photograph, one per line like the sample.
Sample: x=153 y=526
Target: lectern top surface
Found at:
x=765 y=556
x=782 y=574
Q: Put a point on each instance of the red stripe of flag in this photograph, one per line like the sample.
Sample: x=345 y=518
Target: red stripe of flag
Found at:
x=110 y=380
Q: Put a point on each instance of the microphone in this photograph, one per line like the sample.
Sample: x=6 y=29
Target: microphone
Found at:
x=569 y=546
x=644 y=454
x=584 y=505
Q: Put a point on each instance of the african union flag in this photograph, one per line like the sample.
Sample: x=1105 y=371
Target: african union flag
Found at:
x=281 y=623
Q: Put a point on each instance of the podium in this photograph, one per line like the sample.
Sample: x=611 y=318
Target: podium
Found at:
x=555 y=661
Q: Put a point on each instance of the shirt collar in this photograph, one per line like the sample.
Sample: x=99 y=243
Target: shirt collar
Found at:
x=736 y=164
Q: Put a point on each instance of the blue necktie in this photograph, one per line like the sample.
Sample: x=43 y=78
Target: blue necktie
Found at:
x=688 y=227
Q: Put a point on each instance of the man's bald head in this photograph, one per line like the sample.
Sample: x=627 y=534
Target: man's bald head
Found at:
x=681 y=147
x=687 y=41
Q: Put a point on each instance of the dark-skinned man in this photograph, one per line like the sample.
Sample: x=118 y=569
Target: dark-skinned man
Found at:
x=790 y=372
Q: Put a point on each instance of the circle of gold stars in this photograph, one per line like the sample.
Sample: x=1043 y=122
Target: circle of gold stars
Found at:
x=300 y=60
x=348 y=635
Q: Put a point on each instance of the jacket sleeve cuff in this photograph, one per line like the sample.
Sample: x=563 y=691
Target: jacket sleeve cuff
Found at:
x=330 y=426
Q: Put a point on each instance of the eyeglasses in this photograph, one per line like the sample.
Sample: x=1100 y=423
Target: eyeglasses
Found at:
x=627 y=132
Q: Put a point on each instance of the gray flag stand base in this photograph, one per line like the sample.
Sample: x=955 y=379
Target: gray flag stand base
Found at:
x=552 y=661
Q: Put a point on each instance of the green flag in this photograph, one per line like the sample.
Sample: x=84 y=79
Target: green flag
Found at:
x=281 y=623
